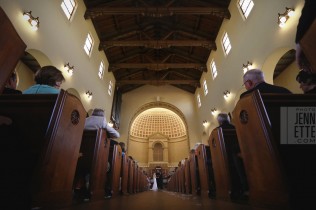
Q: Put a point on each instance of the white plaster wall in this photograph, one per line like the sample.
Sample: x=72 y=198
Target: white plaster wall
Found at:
x=62 y=41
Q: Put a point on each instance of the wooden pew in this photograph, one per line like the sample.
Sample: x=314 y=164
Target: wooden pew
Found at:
x=50 y=126
x=260 y=154
x=115 y=159
x=220 y=164
x=12 y=48
x=272 y=168
x=205 y=171
x=187 y=177
x=124 y=174
x=95 y=149
x=194 y=174
x=131 y=176
x=135 y=178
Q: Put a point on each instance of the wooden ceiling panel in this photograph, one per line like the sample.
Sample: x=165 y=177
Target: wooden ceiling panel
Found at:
x=157 y=42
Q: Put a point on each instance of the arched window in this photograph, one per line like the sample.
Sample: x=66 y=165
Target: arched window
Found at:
x=158 y=152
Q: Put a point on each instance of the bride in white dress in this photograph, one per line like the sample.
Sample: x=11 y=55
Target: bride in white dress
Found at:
x=155 y=183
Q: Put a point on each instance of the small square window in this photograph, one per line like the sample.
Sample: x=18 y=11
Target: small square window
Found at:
x=245 y=7
x=226 y=44
x=205 y=87
x=110 y=88
x=101 y=70
x=213 y=69
x=88 y=44
x=69 y=7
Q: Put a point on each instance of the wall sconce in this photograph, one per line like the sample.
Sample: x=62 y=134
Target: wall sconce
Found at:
x=89 y=94
x=69 y=69
x=214 y=111
x=226 y=94
x=34 y=22
x=204 y=123
x=247 y=67
x=282 y=19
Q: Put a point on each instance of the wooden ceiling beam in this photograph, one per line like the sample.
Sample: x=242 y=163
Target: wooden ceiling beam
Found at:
x=195 y=83
x=221 y=12
x=158 y=44
x=158 y=66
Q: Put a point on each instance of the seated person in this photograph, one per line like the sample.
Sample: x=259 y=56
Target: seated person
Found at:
x=48 y=80
x=10 y=86
x=239 y=181
x=307 y=82
x=254 y=80
x=97 y=120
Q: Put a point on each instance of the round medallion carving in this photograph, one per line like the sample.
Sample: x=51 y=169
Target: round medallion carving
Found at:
x=75 y=117
x=243 y=116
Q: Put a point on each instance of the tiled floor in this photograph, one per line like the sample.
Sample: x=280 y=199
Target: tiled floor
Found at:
x=160 y=200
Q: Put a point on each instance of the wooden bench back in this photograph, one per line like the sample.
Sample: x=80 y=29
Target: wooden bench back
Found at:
x=95 y=149
x=194 y=174
x=220 y=162
x=187 y=177
x=52 y=125
x=259 y=149
x=205 y=170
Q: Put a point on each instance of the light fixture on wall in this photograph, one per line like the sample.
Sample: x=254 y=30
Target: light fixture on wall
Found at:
x=89 y=94
x=69 y=69
x=226 y=94
x=204 y=123
x=283 y=18
x=247 y=67
x=34 y=22
x=213 y=111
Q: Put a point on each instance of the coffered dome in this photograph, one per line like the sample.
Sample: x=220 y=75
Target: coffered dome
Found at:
x=158 y=120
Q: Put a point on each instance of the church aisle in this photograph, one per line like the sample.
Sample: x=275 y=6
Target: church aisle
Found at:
x=160 y=200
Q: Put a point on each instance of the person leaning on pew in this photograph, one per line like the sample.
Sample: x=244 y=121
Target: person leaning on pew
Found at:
x=48 y=80
x=254 y=80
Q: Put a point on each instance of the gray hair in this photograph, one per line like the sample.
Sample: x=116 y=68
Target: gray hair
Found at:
x=98 y=112
x=223 y=117
x=255 y=75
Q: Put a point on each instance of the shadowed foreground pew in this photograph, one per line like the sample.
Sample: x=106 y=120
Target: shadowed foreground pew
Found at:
x=95 y=149
x=274 y=169
x=50 y=127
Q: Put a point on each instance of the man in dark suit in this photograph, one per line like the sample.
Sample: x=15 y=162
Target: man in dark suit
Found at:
x=254 y=80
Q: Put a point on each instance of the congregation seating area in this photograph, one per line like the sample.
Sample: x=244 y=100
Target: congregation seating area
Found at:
x=279 y=175
x=45 y=133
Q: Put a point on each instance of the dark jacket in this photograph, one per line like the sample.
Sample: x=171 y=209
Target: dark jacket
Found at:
x=264 y=87
x=11 y=91
x=307 y=17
